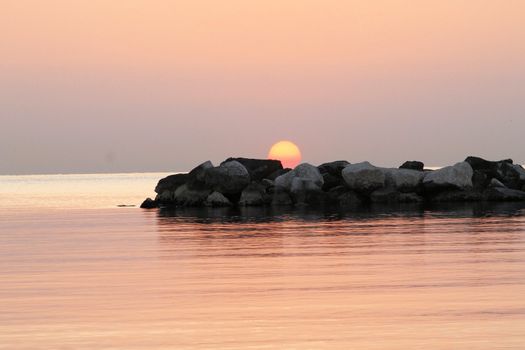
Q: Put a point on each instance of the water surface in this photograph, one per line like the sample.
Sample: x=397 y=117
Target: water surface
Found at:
x=78 y=272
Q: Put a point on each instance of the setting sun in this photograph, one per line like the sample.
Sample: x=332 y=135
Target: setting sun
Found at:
x=287 y=152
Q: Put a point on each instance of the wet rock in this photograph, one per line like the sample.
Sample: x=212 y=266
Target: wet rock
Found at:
x=458 y=176
x=217 y=199
x=258 y=168
x=149 y=204
x=413 y=165
x=456 y=196
x=385 y=195
x=281 y=198
x=364 y=177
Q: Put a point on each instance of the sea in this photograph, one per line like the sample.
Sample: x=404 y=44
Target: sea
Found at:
x=83 y=267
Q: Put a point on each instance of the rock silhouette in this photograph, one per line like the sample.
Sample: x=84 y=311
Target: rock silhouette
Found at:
x=263 y=182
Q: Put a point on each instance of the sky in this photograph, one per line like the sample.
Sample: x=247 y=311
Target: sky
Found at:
x=151 y=85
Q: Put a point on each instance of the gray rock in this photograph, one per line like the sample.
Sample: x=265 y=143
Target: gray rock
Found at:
x=303 y=171
x=385 y=195
x=228 y=178
x=186 y=196
x=254 y=195
x=364 y=177
x=306 y=191
x=217 y=199
x=196 y=177
x=456 y=196
x=458 y=176
x=404 y=180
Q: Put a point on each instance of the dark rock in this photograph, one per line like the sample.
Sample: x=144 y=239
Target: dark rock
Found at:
x=189 y=197
x=171 y=183
x=278 y=173
x=217 y=199
x=229 y=178
x=254 y=195
x=349 y=199
x=385 y=195
x=333 y=168
x=456 y=196
x=364 y=177
x=413 y=165
x=281 y=198
x=511 y=175
x=306 y=191
x=504 y=194
x=258 y=168
x=331 y=181
x=196 y=177
x=410 y=198
x=149 y=204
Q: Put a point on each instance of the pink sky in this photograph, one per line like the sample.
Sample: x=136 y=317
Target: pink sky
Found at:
x=105 y=86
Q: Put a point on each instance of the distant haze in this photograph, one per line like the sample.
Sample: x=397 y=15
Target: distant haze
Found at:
x=136 y=85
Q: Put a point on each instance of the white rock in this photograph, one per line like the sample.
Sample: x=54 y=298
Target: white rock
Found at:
x=458 y=176
x=364 y=177
x=303 y=171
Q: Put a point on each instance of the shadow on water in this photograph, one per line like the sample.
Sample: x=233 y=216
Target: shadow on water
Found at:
x=269 y=214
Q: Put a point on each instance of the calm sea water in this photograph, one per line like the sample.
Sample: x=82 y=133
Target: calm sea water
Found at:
x=79 y=272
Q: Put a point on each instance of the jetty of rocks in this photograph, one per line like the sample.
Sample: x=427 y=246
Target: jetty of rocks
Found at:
x=264 y=182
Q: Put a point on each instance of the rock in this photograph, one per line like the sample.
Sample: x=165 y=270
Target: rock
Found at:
x=229 y=178
x=149 y=204
x=258 y=168
x=385 y=195
x=413 y=165
x=349 y=199
x=410 y=198
x=217 y=199
x=305 y=191
x=496 y=183
x=254 y=195
x=458 y=176
x=304 y=171
x=171 y=182
x=453 y=195
x=364 y=177
x=404 y=180
x=196 y=177
x=331 y=181
x=504 y=194
x=188 y=197
x=281 y=198
x=278 y=173
x=511 y=175
x=333 y=168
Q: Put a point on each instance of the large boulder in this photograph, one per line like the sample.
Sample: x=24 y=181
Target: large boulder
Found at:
x=404 y=180
x=254 y=195
x=504 y=194
x=306 y=191
x=217 y=199
x=511 y=175
x=457 y=176
x=171 y=182
x=304 y=171
x=258 y=168
x=229 y=178
x=281 y=198
x=364 y=177
x=331 y=173
x=189 y=197
x=196 y=177
x=412 y=165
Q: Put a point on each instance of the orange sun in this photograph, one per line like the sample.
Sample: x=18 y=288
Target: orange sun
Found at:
x=287 y=152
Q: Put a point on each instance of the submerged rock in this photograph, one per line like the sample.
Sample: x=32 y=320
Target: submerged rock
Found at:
x=149 y=204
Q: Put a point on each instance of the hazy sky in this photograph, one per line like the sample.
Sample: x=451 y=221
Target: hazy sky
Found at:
x=146 y=85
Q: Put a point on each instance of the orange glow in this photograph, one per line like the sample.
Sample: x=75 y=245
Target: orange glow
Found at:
x=287 y=152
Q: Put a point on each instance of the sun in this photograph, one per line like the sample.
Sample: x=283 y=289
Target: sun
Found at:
x=287 y=152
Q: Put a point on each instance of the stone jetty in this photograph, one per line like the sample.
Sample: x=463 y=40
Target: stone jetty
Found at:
x=263 y=182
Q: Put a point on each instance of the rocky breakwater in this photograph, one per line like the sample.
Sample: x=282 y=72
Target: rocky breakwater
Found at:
x=262 y=182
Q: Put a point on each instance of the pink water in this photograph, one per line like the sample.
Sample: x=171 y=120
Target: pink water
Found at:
x=82 y=273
